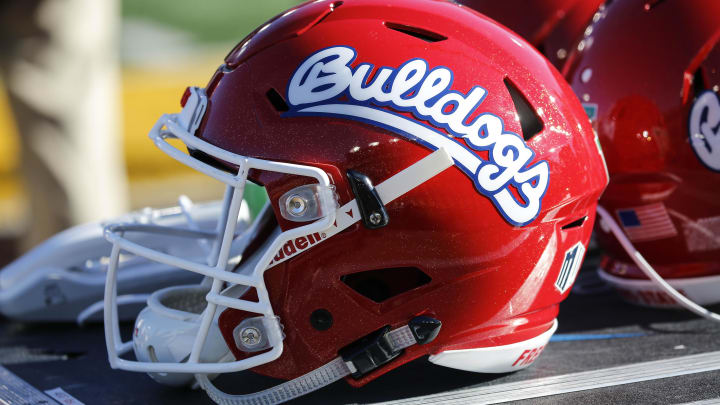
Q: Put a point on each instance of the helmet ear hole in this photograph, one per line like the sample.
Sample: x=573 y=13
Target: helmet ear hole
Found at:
x=381 y=285
x=530 y=123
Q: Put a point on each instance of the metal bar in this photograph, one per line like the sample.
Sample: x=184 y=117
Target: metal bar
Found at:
x=14 y=390
x=585 y=380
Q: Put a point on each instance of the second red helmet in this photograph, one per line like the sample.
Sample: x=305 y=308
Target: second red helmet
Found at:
x=652 y=93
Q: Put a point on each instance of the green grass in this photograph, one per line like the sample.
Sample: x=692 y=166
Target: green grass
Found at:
x=256 y=197
x=208 y=21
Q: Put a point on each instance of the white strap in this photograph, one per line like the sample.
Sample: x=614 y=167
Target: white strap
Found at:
x=322 y=376
x=401 y=338
x=606 y=222
x=390 y=189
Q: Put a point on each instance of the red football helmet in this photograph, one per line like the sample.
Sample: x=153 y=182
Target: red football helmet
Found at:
x=652 y=95
x=552 y=26
x=424 y=166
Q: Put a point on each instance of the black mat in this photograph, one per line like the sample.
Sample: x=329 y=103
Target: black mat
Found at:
x=49 y=356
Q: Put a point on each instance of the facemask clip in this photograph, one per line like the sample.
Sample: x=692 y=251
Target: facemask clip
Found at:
x=257 y=333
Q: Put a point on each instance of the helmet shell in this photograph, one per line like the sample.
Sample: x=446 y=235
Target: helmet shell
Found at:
x=448 y=251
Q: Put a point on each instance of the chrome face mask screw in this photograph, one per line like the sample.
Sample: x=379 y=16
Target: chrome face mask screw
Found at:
x=375 y=218
x=296 y=205
x=250 y=336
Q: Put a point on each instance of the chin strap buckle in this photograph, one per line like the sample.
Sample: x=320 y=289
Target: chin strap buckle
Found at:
x=363 y=356
x=369 y=353
x=380 y=347
x=371 y=207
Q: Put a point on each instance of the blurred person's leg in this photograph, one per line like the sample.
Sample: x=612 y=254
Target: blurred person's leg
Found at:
x=59 y=62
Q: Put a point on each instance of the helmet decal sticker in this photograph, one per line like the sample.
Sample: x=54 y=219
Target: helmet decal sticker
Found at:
x=705 y=129
x=647 y=222
x=570 y=267
x=591 y=109
x=324 y=77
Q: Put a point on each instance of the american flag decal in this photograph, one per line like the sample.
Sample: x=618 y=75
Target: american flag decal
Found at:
x=648 y=222
x=570 y=267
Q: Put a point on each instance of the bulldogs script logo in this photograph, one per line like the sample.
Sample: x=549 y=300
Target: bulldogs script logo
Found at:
x=320 y=80
x=705 y=129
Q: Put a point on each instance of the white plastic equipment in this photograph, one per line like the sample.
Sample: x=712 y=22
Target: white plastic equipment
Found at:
x=63 y=279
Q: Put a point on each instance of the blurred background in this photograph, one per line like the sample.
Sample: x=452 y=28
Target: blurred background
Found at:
x=81 y=84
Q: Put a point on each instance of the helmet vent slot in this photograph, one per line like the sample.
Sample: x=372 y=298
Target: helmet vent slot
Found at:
x=321 y=17
x=574 y=224
x=425 y=35
x=650 y=4
x=277 y=101
x=530 y=123
x=698 y=83
x=381 y=285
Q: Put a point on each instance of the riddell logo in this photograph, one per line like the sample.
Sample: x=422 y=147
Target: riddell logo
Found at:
x=528 y=356
x=297 y=245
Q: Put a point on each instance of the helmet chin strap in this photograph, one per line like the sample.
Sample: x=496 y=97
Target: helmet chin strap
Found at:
x=322 y=376
x=395 y=340
x=608 y=223
x=338 y=368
